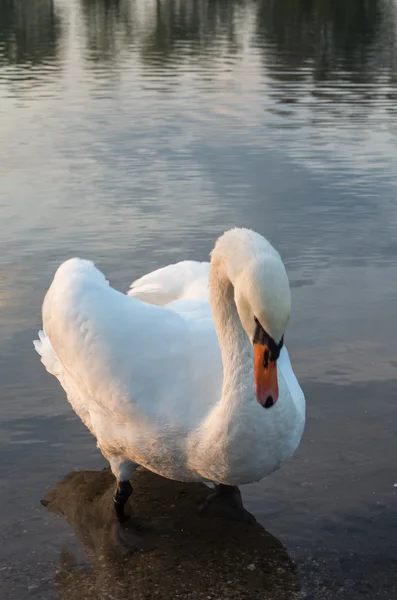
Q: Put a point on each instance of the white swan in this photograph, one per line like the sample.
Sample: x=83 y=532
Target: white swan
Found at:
x=176 y=375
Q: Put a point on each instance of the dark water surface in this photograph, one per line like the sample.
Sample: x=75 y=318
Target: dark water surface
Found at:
x=133 y=133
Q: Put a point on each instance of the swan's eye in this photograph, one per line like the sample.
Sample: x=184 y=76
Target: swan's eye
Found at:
x=261 y=337
x=266 y=359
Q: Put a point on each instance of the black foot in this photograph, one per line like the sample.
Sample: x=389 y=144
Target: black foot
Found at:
x=122 y=493
x=226 y=502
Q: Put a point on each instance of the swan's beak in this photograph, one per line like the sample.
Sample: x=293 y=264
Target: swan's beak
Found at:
x=265 y=375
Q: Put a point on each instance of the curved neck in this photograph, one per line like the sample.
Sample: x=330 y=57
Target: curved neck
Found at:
x=236 y=349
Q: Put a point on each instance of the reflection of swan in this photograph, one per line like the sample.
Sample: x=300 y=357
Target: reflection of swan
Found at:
x=148 y=380
x=186 y=559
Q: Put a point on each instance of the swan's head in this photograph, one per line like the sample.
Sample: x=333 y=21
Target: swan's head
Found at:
x=263 y=300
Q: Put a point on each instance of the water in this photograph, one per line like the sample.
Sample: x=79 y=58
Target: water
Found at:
x=133 y=133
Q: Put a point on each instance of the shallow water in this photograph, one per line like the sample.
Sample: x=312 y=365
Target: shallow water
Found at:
x=133 y=133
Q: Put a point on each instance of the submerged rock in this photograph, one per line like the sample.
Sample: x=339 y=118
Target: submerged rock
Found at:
x=182 y=555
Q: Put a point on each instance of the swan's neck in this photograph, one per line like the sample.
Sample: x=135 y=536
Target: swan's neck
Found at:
x=236 y=349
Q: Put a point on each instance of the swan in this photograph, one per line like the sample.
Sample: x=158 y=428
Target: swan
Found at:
x=187 y=375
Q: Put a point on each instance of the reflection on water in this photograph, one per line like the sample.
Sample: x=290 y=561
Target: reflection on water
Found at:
x=189 y=556
x=133 y=132
x=321 y=42
x=327 y=39
x=108 y=27
x=344 y=54
x=29 y=35
x=160 y=29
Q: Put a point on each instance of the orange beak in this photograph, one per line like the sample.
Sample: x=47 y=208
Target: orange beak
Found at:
x=265 y=376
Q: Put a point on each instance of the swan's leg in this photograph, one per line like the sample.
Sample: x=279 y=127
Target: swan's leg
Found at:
x=122 y=470
x=120 y=498
x=226 y=502
x=127 y=531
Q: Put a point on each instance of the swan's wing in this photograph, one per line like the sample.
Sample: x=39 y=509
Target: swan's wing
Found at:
x=118 y=357
x=180 y=281
x=183 y=288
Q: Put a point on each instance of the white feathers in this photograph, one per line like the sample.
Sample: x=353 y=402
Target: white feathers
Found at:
x=184 y=280
x=48 y=356
x=153 y=379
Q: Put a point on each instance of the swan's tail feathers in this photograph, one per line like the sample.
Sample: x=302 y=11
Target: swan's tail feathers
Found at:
x=48 y=356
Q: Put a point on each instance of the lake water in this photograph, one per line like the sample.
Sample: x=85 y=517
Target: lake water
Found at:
x=132 y=133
